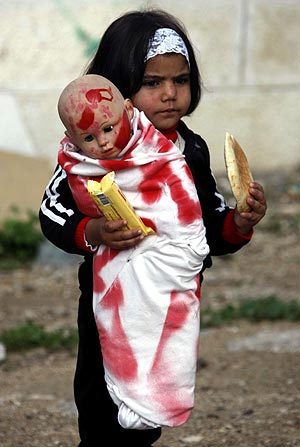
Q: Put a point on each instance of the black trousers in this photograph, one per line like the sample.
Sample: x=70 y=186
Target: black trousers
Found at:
x=97 y=413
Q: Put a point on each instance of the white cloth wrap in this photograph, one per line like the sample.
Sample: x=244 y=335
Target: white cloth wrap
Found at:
x=147 y=298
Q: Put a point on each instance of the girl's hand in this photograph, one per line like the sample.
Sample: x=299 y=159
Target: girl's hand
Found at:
x=244 y=222
x=100 y=231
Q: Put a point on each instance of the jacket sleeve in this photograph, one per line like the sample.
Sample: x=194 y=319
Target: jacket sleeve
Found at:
x=61 y=221
x=217 y=215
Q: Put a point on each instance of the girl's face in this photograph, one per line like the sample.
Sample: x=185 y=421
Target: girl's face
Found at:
x=165 y=94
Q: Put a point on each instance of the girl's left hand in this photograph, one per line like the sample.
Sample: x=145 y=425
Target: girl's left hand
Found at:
x=246 y=221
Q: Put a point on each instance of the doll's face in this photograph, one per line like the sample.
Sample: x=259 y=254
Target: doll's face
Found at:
x=100 y=123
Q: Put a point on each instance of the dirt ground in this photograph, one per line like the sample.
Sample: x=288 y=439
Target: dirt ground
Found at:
x=248 y=386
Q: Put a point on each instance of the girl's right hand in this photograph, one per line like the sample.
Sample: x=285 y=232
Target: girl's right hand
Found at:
x=100 y=231
x=244 y=222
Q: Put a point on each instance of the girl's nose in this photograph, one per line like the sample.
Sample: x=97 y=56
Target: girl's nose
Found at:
x=169 y=91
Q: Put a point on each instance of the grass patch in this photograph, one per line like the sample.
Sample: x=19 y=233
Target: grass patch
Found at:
x=280 y=224
x=270 y=308
x=20 y=238
x=32 y=335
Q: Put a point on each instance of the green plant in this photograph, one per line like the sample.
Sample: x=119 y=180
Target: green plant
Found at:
x=280 y=223
x=20 y=239
x=269 y=308
x=32 y=335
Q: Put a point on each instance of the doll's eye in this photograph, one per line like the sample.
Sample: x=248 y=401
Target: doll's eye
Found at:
x=108 y=129
x=88 y=138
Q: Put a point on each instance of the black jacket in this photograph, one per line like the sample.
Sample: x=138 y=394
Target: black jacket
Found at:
x=59 y=215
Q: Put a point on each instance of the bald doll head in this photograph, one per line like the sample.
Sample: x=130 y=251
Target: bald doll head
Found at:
x=96 y=116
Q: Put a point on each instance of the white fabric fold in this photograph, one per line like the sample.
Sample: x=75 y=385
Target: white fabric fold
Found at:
x=147 y=299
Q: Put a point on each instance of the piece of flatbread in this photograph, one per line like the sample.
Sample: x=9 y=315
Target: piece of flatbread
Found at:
x=238 y=172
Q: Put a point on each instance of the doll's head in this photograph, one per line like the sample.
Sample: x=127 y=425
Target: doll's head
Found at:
x=96 y=116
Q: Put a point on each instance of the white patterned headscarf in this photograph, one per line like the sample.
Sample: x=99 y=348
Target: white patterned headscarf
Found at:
x=166 y=40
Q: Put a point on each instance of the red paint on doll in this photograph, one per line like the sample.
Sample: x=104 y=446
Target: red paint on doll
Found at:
x=124 y=132
x=87 y=119
x=94 y=96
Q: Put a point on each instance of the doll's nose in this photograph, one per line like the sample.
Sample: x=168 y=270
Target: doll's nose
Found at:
x=102 y=140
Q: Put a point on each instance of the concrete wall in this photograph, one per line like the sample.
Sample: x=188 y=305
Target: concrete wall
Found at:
x=248 y=50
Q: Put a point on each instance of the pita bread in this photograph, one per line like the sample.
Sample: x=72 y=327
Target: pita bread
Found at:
x=238 y=172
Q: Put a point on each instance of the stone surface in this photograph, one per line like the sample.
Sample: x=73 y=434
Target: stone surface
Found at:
x=248 y=53
x=22 y=183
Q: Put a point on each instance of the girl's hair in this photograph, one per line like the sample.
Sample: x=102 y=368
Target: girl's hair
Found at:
x=121 y=53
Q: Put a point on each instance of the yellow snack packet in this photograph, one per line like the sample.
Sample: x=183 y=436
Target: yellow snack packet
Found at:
x=113 y=204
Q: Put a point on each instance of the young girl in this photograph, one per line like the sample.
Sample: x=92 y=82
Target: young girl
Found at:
x=138 y=56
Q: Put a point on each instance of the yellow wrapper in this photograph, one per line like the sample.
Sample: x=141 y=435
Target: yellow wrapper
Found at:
x=113 y=204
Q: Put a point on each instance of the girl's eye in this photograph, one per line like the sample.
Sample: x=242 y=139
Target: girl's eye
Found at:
x=150 y=83
x=182 y=80
x=108 y=129
x=88 y=138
